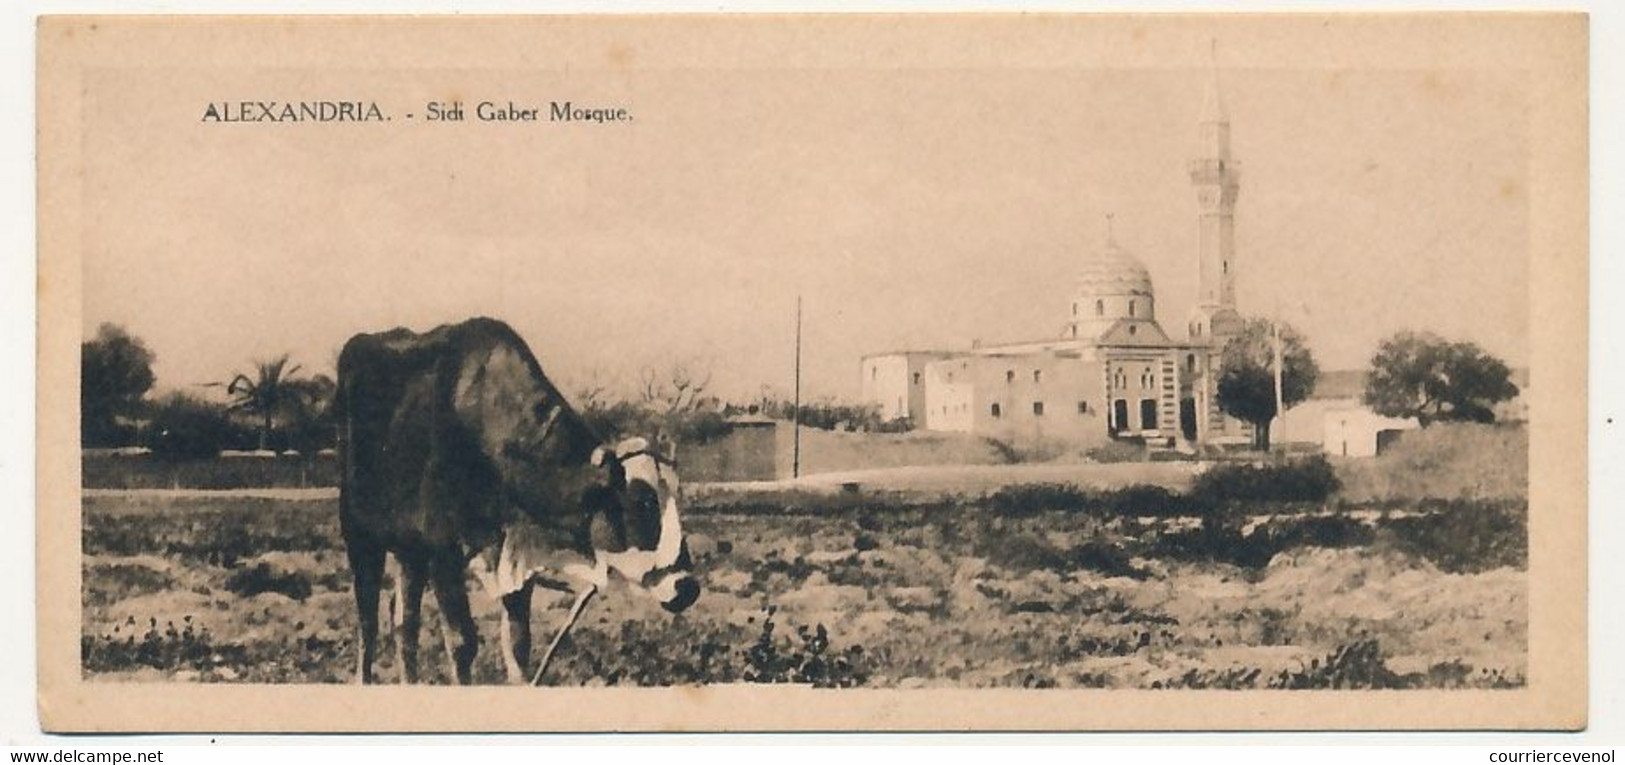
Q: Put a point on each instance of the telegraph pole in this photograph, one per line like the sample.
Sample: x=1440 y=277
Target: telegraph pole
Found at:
x=795 y=412
x=1275 y=346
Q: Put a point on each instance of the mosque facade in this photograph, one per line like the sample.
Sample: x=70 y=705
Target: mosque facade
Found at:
x=1114 y=373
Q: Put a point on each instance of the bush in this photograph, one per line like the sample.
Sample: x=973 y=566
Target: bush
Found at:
x=170 y=648
x=1219 y=538
x=809 y=659
x=1141 y=499
x=1306 y=480
x=1028 y=499
x=188 y=428
x=263 y=578
x=1356 y=665
x=1021 y=500
x=1464 y=537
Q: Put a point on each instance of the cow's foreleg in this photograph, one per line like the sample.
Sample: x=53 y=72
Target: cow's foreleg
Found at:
x=450 y=590
x=516 y=633
x=408 y=619
x=575 y=613
x=367 y=566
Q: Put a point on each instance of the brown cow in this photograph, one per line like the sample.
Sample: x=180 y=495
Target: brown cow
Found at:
x=455 y=446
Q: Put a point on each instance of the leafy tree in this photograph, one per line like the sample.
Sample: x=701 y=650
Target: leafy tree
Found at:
x=1421 y=375
x=185 y=427
x=273 y=392
x=1247 y=380
x=308 y=416
x=115 y=372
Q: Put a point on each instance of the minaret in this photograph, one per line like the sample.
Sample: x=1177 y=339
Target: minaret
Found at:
x=1217 y=179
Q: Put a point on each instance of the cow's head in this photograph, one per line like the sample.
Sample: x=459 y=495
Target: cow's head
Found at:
x=636 y=530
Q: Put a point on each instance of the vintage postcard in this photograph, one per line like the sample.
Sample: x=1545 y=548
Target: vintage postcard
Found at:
x=727 y=373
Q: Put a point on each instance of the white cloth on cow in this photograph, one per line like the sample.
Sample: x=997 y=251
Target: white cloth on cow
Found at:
x=531 y=552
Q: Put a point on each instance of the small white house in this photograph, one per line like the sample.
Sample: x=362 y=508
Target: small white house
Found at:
x=1353 y=430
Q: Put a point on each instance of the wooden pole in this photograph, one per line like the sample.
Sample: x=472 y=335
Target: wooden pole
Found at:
x=1275 y=343
x=795 y=414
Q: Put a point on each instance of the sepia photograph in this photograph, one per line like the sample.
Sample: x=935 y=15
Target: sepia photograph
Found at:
x=870 y=372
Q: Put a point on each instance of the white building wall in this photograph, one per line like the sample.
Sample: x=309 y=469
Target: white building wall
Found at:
x=950 y=389
x=1352 y=431
x=886 y=385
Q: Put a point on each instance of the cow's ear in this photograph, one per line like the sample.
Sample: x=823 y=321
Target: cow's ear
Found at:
x=666 y=446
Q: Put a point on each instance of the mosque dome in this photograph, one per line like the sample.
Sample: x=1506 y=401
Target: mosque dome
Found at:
x=1113 y=286
x=1113 y=271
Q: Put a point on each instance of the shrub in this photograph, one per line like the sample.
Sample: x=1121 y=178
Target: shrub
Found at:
x=169 y=648
x=1106 y=558
x=263 y=578
x=1022 y=500
x=1356 y=665
x=1141 y=499
x=1464 y=537
x=184 y=427
x=1306 y=480
x=1219 y=538
x=1028 y=499
x=808 y=659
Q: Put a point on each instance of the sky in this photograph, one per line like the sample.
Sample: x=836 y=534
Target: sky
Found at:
x=907 y=208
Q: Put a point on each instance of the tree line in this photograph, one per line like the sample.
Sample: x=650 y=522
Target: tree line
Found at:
x=273 y=406
x=1413 y=375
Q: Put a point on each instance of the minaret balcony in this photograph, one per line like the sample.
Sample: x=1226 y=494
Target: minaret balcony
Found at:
x=1223 y=172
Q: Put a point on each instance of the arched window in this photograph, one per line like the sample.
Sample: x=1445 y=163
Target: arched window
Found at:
x=1038 y=376
x=1100 y=308
x=1131 y=306
x=1009 y=376
x=1074 y=309
x=996 y=411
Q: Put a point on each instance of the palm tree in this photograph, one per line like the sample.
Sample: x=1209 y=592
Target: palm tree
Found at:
x=271 y=391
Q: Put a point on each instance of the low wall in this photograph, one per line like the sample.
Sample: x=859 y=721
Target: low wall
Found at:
x=758 y=452
x=103 y=471
x=766 y=452
x=744 y=454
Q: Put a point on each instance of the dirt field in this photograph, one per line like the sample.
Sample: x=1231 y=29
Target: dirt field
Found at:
x=948 y=594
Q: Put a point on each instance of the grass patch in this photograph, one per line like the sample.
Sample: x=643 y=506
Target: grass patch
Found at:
x=1465 y=537
x=107 y=583
x=1444 y=461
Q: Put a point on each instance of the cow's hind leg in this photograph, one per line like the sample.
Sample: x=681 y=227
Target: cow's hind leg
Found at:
x=451 y=592
x=409 y=618
x=516 y=633
x=367 y=565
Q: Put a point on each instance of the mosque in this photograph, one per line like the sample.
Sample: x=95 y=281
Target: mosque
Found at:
x=1113 y=373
